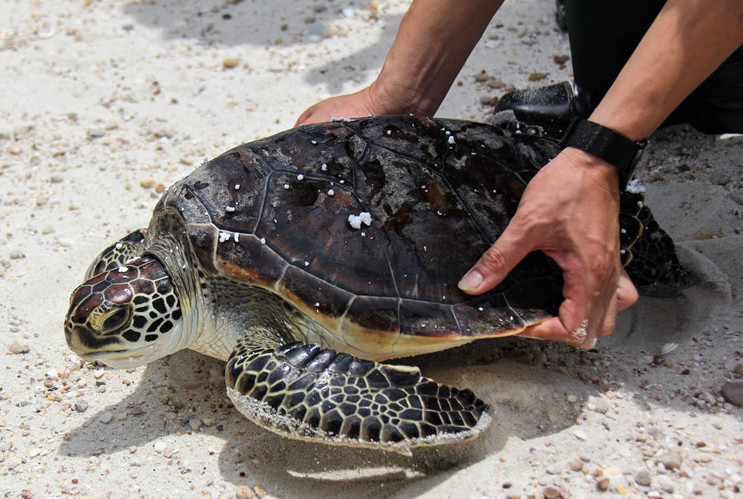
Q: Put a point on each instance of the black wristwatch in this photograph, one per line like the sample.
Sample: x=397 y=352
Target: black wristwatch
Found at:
x=606 y=144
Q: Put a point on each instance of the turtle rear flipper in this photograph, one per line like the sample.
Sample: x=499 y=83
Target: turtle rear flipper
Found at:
x=306 y=392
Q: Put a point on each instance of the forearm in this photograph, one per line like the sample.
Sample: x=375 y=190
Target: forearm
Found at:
x=687 y=41
x=433 y=42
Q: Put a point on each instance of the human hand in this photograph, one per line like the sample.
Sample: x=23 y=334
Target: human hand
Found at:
x=570 y=211
x=353 y=105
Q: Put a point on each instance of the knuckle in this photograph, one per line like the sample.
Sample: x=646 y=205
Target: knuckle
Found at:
x=493 y=260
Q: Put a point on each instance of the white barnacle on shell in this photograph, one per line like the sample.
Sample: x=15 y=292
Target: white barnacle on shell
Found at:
x=362 y=218
x=263 y=240
x=123 y=269
x=229 y=209
x=286 y=186
x=118 y=245
x=300 y=177
x=224 y=236
x=236 y=237
x=451 y=139
x=331 y=192
x=237 y=187
x=324 y=167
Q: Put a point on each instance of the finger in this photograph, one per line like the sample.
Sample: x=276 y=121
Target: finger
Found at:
x=495 y=264
x=610 y=319
x=304 y=117
x=626 y=292
x=554 y=330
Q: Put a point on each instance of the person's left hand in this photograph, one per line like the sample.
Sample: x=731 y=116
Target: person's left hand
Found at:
x=570 y=211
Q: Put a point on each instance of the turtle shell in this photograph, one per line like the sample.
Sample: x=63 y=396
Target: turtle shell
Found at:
x=366 y=226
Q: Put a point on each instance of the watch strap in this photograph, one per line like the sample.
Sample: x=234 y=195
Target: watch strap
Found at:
x=606 y=144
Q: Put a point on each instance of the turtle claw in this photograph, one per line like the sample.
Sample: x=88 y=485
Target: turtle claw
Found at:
x=306 y=392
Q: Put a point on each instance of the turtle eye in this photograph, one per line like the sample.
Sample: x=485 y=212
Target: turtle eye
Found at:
x=116 y=320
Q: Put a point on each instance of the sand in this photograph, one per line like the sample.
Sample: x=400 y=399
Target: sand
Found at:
x=104 y=103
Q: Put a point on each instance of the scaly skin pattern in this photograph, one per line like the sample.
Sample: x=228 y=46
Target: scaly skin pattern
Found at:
x=306 y=392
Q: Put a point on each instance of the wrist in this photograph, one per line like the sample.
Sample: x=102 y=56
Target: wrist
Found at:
x=591 y=168
x=606 y=144
x=392 y=98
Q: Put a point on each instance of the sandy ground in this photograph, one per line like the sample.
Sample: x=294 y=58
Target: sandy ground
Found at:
x=102 y=103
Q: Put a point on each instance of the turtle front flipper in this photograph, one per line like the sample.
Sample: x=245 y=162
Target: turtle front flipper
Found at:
x=306 y=392
x=118 y=254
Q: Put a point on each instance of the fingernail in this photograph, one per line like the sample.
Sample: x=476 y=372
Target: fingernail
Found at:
x=470 y=281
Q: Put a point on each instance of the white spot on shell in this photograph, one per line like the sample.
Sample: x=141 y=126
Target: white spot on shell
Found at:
x=224 y=236
x=356 y=220
x=451 y=139
x=331 y=192
x=300 y=177
x=123 y=269
x=229 y=209
x=286 y=186
x=324 y=167
x=118 y=245
x=306 y=263
x=263 y=240
x=237 y=187
x=236 y=237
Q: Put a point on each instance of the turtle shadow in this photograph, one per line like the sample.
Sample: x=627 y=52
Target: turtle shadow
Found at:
x=495 y=370
x=239 y=23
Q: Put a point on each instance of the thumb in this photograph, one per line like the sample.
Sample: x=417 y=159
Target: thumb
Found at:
x=495 y=264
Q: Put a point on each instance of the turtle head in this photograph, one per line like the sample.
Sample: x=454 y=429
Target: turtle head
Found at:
x=126 y=316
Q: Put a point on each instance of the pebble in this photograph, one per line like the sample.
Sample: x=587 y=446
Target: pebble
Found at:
x=230 y=62
x=732 y=391
x=537 y=76
x=195 y=424
x=16 y=255
x=96 y=133
x=560 y=59
x=576 y=464
x=671 y=460
x=244 y=492
x=496 y=84
x=720 y=178
x=160 y=447
x=259 y=490
x=572 y=399
x=81 y=406
x=540 y=359
x=580 y=435
x=602 y=484
x=551 y=493
x=16 y=348
x=208 y=422
x=642 y=478
x=738 y=369
x=105 y=417
x=599 y=405
x=56 y=178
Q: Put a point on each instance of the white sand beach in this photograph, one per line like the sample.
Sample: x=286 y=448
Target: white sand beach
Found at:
x=104 y=103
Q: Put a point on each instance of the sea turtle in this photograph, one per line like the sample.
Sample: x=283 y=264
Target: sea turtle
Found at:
x=306 y=258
